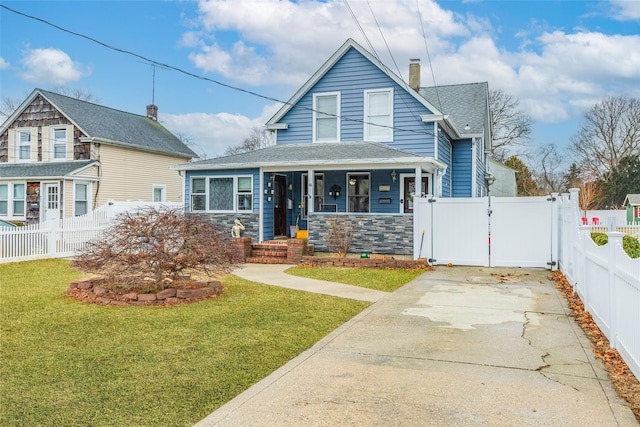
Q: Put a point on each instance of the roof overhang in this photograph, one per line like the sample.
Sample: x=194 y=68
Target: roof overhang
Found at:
x=136 y=147
x=425 y=163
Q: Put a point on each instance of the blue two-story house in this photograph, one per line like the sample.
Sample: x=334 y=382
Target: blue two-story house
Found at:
x=353 y=141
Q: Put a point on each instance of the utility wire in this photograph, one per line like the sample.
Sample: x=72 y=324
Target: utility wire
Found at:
x=190 y=74
x=426 y=46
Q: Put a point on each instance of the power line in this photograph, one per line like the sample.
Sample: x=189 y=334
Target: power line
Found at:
x=199 y=77
x=426 y=46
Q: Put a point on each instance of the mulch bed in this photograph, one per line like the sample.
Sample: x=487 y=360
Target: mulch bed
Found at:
x=624 y=382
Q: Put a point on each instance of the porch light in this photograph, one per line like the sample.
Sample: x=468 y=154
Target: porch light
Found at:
x=334 y=191
x=394 y=175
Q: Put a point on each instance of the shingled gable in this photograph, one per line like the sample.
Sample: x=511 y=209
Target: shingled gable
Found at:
x=109 y=126
x=274 y=122
x=336 y=155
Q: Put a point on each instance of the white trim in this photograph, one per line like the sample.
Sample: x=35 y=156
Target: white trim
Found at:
x=11 y=214
x=474 y=169
x=17 y=144
x=348 y=195
x=207 y=179
x=311 y=186
x=162 y=187
x=68 y=153
x=89 y=194
x=316 y=111
x=388 y=137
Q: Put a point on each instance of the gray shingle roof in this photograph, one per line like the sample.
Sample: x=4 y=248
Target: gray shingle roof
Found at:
x=464 y=103
x=121 y=127
x=311 y=154
x=633 y=199
x=40 y=169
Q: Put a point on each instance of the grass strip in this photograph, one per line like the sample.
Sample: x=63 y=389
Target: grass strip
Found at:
x=387 y=280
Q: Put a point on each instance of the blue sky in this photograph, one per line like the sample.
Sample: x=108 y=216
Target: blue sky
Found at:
x=557 y=57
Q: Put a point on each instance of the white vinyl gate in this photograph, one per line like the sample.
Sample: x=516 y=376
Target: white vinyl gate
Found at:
x=488 y=232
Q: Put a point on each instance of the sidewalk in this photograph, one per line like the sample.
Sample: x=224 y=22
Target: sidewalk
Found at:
x=452 y=348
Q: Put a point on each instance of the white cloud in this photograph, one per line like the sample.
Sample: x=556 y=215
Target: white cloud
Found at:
x=212 y=134
x=4 y=64
x=312 y=31
x=554 y=74
x=49 y=66
x=625 y=10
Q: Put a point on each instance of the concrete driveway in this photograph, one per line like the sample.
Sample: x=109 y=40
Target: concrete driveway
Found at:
x=461 y=346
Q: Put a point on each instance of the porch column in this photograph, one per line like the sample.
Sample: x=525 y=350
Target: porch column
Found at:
x=311 y=190
x=418 y=181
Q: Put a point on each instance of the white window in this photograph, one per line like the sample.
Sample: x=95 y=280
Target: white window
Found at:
x=23 y=145
x=358 y=192
x=12 y=199
x=318 y=197
x=326 y=117
x=4 y=199
x=59 y=143
x=159 y=193
x=222 y=194
x=378 y=115
x=81 y=198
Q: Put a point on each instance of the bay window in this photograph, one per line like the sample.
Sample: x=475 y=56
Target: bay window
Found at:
x=222 y=194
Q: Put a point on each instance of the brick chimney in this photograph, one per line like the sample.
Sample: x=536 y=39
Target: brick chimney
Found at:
x=414 y=74
x=152 y=112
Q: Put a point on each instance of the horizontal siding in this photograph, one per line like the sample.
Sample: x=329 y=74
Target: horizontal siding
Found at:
x=130 y=174
x=444 y=156
x=461 y=168
x=351 y=76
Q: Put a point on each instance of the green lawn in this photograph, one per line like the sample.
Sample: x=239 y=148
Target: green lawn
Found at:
x=387 y=280
x=66 y=363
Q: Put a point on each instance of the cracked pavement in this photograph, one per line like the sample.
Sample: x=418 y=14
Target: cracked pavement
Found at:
x=460 y=346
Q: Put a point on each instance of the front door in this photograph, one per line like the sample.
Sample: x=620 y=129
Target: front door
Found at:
x=409 y=191
x=279 y=206
x=50 y=199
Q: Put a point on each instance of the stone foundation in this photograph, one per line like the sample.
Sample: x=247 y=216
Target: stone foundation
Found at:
x=374 y=262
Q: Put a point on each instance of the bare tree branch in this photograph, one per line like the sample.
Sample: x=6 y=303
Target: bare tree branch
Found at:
x=510 y=126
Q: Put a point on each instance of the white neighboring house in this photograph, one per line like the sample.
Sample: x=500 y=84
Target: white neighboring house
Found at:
x=62 y=157
x=505 y=179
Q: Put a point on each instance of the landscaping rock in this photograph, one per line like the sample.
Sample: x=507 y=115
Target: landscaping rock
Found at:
x=146 y=297
x=166 y=293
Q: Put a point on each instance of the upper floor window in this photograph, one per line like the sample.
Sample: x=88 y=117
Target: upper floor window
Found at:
x=222 y=194
x=59 y=143
x=378 y=111
x=23 y=145
x=326 y=120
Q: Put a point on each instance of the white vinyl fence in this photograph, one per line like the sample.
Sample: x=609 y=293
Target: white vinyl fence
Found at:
x=605 y=278
x=487 y=231
x=63 y=238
